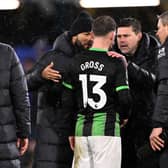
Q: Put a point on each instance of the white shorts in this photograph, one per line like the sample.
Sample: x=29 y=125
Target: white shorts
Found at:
x=97 y=152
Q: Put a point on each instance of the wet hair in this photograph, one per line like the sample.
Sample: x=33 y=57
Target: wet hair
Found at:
x=102 y=25
x=164 y=18
x=131 y=22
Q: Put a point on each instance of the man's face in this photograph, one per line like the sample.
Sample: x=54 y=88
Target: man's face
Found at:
x=84 y=40
x=128 y=40
x=162 y=31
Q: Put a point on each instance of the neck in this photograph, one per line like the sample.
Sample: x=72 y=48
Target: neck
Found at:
x=102 y=43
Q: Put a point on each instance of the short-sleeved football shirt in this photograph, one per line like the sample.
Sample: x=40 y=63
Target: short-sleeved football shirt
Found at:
x=95 y=79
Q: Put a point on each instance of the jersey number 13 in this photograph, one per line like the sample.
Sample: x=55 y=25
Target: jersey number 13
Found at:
x=97 y=89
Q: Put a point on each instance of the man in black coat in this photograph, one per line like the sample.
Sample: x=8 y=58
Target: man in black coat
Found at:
x=160 y=118
x=14 y=109
x=140 y=50
x=55 y=117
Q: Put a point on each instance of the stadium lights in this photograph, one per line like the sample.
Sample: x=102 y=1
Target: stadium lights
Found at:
x=117 y=3
x=9 y=4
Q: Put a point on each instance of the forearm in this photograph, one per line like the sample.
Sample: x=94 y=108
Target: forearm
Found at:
x=125 y=103
x=34 y=80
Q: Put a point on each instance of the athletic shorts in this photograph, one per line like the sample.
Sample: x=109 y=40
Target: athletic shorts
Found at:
x=97 y=152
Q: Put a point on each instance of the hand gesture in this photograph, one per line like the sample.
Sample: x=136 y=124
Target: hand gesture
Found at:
x=50 y=74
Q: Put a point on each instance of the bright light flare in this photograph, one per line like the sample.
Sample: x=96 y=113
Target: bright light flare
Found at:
x=9 y=4
x=117 y=3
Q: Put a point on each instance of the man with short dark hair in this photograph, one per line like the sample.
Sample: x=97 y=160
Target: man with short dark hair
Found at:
x=140 y=51
x=100 y=84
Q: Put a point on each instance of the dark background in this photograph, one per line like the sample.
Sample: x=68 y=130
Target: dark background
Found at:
x=33 y=27
x=48 y=18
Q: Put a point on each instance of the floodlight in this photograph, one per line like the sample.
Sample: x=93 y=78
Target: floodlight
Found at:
x=9 y=4
x=117 y=3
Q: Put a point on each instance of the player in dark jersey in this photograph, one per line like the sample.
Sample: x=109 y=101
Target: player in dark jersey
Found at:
x=100 y=85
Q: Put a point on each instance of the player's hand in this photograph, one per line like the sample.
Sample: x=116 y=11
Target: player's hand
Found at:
x=155 y=141
x=72 y=142
x=117 y=55
x=22 y=145
x=50 y=74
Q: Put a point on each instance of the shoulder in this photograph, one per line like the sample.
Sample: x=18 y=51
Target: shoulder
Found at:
x=149 y=47
x=63 y=44
x=7 y=51
x=48 y=56
x=6 y=47
x=151 y=41
x=115 y=60
x=165 y=45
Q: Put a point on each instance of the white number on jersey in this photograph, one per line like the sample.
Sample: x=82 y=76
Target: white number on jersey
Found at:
x=101 y=80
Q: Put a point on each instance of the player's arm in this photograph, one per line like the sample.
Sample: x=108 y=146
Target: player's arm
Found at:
x=122 y=89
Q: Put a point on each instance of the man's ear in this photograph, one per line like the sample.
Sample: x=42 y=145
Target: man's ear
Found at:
x=113 y=34
x=74 y=39
x=166 y=29
x=139 y=35
x=92 y=34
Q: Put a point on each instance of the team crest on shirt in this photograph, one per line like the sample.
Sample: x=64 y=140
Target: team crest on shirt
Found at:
x=161 y=53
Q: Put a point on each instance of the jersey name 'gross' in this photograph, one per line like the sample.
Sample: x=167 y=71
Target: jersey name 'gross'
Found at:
x=92 y=65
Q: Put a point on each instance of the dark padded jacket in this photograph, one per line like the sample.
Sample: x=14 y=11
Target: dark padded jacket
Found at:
x=54 y=116
x=14 y=107
x=51 y=103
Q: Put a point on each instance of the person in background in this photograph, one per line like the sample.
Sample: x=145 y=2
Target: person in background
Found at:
x=99 y=84
x=160 y=116
x=140 y=51
x=14 y=109
x=55 y=116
